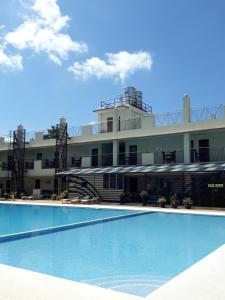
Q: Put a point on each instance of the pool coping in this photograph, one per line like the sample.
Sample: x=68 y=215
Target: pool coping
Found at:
x=203 y=280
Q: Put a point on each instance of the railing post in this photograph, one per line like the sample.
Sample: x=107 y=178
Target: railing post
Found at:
x=186 y=109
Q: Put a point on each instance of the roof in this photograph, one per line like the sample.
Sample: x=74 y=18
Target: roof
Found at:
x=166 y=168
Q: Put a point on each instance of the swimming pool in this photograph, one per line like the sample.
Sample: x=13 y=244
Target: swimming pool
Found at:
x=16 y=218
x=134 y=255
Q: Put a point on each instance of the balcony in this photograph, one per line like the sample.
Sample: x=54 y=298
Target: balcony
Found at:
x=149 y=158
x=29 y=165
x=6 y=166
x=207 y=154
x=48 y=164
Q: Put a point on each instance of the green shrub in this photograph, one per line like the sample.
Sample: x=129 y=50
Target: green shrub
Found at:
x=187 y=202
x=53 y=197
x=122 y=198
x=162 y=201
x=174 y=201
x=144 y=197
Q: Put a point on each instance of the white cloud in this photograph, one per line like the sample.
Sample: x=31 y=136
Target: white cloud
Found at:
x=117 y=65
x=10 y=62
x=41 y=31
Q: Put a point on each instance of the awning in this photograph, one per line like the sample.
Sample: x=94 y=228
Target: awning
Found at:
x=166 y=168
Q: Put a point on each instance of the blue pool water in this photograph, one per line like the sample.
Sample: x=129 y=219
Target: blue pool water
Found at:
x=18 y=218
x=134 y=255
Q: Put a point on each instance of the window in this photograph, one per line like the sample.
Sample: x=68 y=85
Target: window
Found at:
x=113 y=181
x=106 y=181
x=94 y=157
x=119 y=181
x=37 y=184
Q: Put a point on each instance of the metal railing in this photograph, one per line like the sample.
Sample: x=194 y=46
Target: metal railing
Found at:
x=169 y=118
x=123 y=100
x=206 y=113
x=6 y=165
x=207 y=154
x=129 y=159
x=29 y=165
x=167 y=156
x=48 y=164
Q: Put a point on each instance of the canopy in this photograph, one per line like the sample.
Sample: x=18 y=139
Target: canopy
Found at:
x=166 y=168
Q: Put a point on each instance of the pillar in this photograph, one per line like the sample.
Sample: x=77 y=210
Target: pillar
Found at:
x=187 y=148
x=186 y=109
x=115 y=153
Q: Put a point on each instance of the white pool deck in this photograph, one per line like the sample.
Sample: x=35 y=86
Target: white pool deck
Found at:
x=205 y=280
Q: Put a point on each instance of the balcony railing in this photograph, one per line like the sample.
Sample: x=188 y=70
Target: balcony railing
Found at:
x=48 y=164
x=166 y=156
x=207 y=154
x=29 y=165
x=6 y=166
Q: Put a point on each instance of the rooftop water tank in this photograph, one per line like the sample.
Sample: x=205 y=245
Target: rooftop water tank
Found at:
x=138 y=96
x=129 y=91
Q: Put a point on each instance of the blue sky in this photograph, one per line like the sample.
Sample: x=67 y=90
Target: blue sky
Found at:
x=53 y=56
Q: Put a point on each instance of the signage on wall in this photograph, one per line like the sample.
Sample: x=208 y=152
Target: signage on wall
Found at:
x=215 y=185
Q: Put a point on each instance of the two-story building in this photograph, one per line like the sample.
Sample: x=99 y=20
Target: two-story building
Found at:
x=129 y=149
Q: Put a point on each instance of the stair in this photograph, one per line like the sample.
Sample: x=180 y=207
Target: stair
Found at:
x=80 y=187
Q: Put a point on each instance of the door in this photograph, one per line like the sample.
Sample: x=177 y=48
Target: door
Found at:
x=94 y=157
x=203 y=150
x=133 y=155
x=109 y=124
x=121 y=153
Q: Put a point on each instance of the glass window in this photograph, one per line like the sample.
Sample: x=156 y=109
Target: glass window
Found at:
x=112 y=181
x=106 y=181
x=119 y=181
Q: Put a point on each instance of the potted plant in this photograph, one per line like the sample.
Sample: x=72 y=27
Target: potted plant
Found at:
x=187 y=202
x=53 y=197
x=144 y=195
x=122 y=198
x=13 y=195
x=174 y=201
x=162 y=202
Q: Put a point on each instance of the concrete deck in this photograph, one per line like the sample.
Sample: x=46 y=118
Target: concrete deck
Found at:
x=202 y=281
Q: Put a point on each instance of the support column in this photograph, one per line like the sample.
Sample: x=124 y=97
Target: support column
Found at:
x=187 y=156
x=186 y=109
x=115 y=153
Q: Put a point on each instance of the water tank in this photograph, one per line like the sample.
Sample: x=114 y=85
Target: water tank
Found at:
x=129 y=95
x=129 y=91
x=138 y=96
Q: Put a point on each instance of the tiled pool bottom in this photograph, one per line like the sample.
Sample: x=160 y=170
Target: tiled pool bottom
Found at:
x=134 y=255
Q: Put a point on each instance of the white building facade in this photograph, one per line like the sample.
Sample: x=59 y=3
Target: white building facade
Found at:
x=129 y=149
